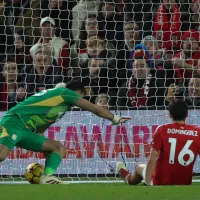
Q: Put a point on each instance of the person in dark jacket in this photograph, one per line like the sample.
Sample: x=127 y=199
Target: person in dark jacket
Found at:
x=110 y=21
x=138 y=8
x=61 y=12
x=89 y=34
x=9 y=83
x=145 y=88
x=190 y=94
x=22 y=48
x=100 y=76
x=6 y=41
x=190 y=14
x=43 y=75
x=131 y=38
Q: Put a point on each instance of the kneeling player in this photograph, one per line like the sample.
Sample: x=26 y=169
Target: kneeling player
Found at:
x=175 y=147
x=23 y=125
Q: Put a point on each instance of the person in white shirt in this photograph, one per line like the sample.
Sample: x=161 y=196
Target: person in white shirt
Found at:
x=60 y=47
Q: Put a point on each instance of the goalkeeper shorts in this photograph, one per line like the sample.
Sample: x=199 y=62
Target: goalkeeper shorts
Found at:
x=14 y=133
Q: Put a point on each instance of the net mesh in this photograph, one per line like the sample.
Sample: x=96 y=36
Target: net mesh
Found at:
x=133 y=58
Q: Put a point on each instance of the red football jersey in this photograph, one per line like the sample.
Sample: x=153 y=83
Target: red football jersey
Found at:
x=178 y=146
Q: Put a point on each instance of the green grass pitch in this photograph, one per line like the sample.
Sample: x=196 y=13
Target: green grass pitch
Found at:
x=117 y=191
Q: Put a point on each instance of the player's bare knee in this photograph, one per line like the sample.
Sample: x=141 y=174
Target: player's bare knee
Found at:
x=139 y=169
x=60 y=149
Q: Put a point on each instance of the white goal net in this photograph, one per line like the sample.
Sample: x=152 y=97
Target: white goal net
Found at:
x=133 y=57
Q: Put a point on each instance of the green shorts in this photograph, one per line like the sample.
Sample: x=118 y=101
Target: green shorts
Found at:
x=14 y=133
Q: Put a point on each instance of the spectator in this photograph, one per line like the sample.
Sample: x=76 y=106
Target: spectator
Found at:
x=90 y=29
x=13 y=9
x=6 y=41
x=131 y=38
x=159 y=59
x=21 y=50
x=102 y=79
x=186 y=14
x=60 y=47
x=29 y=20
x=192 y=95
x=195 y=18
x=111 y=21
x=166 y=26
x=137 y=8
x=145 y=88
x=190 y=14
x=61 y=12
x=102 y=100
x=9 y=83
x=89 y=93
x=80 y=12
x=184 y=6
x=186 y=61
x=151 y=43
x=43 y=75
x=6 y=33
x=94 y=46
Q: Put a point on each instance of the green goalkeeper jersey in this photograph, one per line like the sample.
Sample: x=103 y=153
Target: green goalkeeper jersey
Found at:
x=41 y=110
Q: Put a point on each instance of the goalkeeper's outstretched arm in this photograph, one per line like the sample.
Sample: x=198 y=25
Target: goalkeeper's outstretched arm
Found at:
x=100 y=111
x=78 y=88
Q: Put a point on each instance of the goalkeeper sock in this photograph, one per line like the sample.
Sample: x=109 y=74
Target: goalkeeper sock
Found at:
x=52 y=163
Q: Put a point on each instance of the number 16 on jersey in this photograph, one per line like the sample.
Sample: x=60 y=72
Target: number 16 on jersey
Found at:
x=185 y=151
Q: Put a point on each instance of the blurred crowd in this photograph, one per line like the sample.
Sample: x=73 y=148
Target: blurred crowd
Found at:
x=130 y=54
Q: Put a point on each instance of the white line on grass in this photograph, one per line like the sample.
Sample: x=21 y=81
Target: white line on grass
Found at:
x=76 y=182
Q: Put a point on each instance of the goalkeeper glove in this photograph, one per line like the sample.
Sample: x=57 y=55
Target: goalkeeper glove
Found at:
x=117 y=120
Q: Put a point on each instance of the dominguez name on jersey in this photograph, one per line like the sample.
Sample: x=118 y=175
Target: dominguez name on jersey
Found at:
x=182 y=132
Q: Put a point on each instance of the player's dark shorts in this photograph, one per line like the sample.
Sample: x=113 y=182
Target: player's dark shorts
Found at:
x=14 y=133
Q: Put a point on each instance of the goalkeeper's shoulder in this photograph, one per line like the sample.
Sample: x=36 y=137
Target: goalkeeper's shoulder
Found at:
x=56 y=91
x=59 y=88
x=63 y=90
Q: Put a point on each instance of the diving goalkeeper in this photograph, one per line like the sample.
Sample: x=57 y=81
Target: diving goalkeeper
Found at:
x=24 y=125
